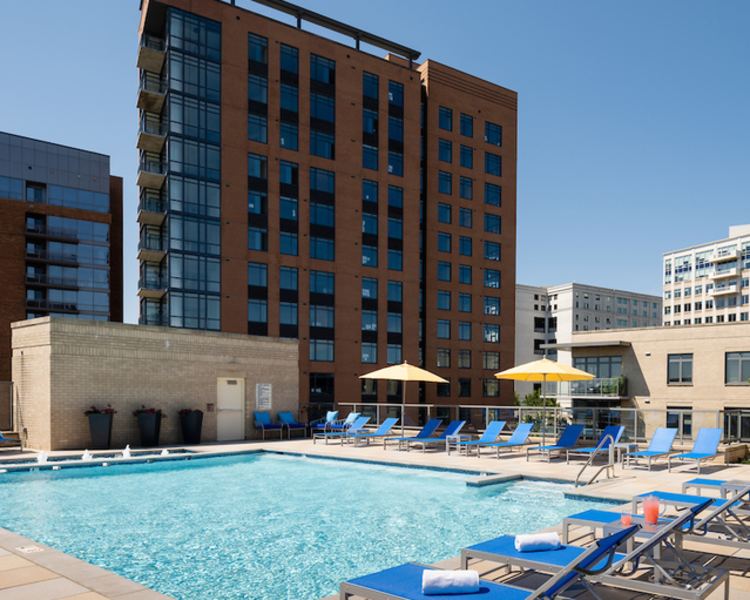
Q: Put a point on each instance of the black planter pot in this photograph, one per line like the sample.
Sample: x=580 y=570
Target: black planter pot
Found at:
x=100 y=428
x=191 y=423
x=149 y=426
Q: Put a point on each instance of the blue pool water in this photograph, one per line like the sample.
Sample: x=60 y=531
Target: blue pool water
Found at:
x=266 y=526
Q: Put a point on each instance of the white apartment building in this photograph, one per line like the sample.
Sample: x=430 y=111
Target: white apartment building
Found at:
x=551 y=314
x=708 y=283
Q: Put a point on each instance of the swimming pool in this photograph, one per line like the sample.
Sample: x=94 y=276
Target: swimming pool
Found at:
x=266 y=526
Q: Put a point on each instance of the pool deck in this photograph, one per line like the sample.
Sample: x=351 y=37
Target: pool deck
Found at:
x=29 y=570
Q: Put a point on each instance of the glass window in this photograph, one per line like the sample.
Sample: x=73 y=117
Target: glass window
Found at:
x=493 y=134
x=257 y=128
x=443 y=329
x=395 y=93
x=257 y=311
x=445 y=150
x=394 y=322
x=445 y=182
x=492 y=223
x=490 y=387
x=396 y=163
x=492 y=194
x=396 y=129
x=257 y=89
x=443 y=300
x=466 y=188
x=289 y=59
x=395 y=291
x=322 y=70
x=322 y=316
x=394 y=354
x=464 y=274
x=257 y=48
x=369 y=157
x=465 y=217
x=491 y=333
x=444 y=213
x=288 y=243
x=679 y=368
x=369 y=255
x=464 y=330
x=289 y=135
x=322 y=248
x=445 y=118
x=288 y=278
x=322 y=214
x=491 y=360
x=322 y=144
x=257 y=274
x=369 y=320
x=395 y=228
x=464 y=302
x=395 y=196
x=491 y=278
x=467 y=157
x=370 y=85
x=464 y=359
x=288 y=209
x=321 y=350
x=464 y=388
x=369 y=287
x=492 y=164
x=369 y=353
x=737 y=368
x=443 y=271
x=321 y=282
x=464 y=246
x=443 y=241
x=443 y=358
x=492 y=306
x=257 y=238
x=288 y=313
x=395 y=260
x=492 y=251
x=467 y=125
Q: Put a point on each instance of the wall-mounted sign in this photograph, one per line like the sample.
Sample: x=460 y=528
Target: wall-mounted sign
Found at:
x=263 y=400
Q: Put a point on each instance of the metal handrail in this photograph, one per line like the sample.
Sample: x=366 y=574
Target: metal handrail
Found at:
x=610 y=460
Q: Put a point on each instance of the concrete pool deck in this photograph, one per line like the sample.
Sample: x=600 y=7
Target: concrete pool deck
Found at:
x=34 y=571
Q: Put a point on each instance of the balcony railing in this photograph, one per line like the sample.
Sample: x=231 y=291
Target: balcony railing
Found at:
x=52 y=256
x=150 y=242
x=152 y=282
x=44 y=279
x=723 y=290
x=151 y=92
x=153 y=166
x=45 y=230
x=50 y=305
x=152 y=83
x=600 y=387
x=724 y=255
x=152 y=43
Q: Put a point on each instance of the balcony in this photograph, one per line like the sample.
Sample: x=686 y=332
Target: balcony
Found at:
x=724 y=290
x=725 y=255
x=151 y=249
x=153 y=287
x=45 y=280
x=53 y=306
x=151 y=93
x=725 y=273
x=152 y=133
x=40 y=230
x=151 y=173
x=151 y=53
x=44 y=255
x=600 y=387
x=151 y=209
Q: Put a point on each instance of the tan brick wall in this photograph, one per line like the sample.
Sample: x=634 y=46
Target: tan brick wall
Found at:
x=63 y=366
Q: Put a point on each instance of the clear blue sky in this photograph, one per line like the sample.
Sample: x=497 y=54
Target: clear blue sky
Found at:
x=634 y=117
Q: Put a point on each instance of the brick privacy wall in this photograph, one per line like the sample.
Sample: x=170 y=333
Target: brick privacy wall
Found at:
x=63 y=366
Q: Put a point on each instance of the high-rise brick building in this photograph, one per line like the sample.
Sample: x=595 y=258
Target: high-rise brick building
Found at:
x=295 y=186
x=61 y=235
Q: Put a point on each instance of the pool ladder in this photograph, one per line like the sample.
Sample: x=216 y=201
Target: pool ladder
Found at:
x=609 y=466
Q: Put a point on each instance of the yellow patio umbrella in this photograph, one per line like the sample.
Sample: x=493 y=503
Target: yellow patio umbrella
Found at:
x=544 y=370
x=404 y=373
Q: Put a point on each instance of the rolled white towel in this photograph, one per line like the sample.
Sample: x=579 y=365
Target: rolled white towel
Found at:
x=449 y=582
x=534 y=542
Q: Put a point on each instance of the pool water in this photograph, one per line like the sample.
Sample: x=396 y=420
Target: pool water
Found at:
x=266 y=526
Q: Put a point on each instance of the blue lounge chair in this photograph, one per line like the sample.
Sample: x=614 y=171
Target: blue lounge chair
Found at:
x=452 y=429
x=660 y=445
x=405 y=581
x=517 y=439
x=705 y=447
x=355 y=427
x=6 y=442
x=262 y=420
x=610 y=436
x=288 y=421
x=383 y=430
x=324 y=423
x=429 y=428
x=609 y=567
x=723 y=526
x=568 y=439
x=491 y=433
x=721 y=486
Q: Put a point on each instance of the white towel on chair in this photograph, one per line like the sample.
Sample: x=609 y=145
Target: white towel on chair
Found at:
x=534 y=542
x=449 y=582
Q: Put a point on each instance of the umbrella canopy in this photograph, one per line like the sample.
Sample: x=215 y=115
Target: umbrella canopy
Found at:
x=404 y=372
x=544 y=370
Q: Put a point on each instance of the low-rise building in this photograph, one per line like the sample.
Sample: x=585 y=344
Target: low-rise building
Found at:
x=683 y=377
x=61 y=367
x=552 y=314
x=709 y=283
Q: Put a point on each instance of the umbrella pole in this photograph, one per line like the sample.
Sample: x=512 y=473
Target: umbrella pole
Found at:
x=403 y=405
x=544 y=409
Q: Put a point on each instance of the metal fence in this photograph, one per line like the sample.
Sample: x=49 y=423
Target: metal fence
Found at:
x=6 y=406
x=639 y=423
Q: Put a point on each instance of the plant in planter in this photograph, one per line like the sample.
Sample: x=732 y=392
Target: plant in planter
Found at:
x=100 y=426
x=149 y=425
x=191 y=422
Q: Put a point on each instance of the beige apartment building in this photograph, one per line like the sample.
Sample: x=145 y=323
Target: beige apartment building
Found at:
x=709 y=283
x=61 y=367
x=682 y=377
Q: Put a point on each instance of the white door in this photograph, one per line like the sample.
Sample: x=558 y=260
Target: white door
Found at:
x=230 y=406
